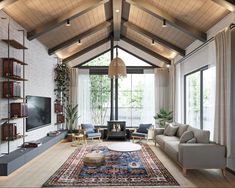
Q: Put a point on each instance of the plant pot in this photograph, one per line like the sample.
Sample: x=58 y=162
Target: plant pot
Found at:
x=70 y=137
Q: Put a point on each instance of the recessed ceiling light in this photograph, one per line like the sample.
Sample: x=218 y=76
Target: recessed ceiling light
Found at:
x=79 y=42
x=117 y=10
x=68 y=22
x=153 y=42
x=168 y=65
x=164 y=23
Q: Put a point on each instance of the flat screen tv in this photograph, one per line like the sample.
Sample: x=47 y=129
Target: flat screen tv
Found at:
x=39 y=112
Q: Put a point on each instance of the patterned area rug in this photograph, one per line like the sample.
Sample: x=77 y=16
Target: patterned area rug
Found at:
x=141 y=168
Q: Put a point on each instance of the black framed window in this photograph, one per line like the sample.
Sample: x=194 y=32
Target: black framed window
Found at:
x=199 y=95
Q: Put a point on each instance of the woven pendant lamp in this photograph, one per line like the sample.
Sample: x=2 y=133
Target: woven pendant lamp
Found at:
x=117 y=67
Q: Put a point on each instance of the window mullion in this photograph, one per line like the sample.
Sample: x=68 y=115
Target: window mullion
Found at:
x=201 y=99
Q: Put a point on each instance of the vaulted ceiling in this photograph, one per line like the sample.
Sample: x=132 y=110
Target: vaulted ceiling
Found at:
x=137 y=22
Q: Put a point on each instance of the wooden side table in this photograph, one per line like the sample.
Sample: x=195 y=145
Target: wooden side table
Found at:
x=78 y=139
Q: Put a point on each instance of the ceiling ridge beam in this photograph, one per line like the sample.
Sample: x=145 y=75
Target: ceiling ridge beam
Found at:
x=146 y=50
x=80 y=36
x=229 y=5
x=6 y=3
x=85 y=50
x=157 y=13
x=117 y=18
x=83 y=9
x=154 y=37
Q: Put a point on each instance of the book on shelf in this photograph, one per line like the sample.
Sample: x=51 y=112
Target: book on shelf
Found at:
x=11 y=89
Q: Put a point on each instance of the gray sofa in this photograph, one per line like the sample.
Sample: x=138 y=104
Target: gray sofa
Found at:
x=202 y=154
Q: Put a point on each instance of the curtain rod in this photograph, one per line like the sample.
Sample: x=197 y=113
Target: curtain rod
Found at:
x=231 y=26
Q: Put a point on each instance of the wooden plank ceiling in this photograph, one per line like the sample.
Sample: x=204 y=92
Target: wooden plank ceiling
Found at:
x=92 y=21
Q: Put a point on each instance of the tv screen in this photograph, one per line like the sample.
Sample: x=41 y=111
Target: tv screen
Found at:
x=39 y=112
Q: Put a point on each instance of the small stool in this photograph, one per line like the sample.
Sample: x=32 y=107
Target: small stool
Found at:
x=77 y=139
x=94 y=160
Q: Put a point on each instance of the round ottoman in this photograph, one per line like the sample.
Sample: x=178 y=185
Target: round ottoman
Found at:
x=94 y=159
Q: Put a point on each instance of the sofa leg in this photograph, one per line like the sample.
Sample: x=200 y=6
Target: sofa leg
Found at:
x=184 y=171
x=223 y=171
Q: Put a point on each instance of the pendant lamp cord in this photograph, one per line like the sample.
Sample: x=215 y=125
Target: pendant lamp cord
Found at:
x=116 y=51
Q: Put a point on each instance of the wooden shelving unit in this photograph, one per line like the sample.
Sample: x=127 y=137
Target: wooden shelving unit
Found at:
x=13 y=118
x=13 y=43
x=14 y=71
x=15 y=78
x=14 y=59
x=59 y=113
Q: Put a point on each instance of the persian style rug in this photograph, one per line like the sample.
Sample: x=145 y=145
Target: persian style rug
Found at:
x=140 y=168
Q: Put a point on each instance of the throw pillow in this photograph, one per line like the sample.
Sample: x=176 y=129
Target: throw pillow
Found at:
x=182 y=128
x=186 y=136
x=170 y=130
x=191 y=141
x=202 y=136
x=143 y=128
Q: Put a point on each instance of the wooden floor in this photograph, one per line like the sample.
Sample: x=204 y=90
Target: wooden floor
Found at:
x=37 y=171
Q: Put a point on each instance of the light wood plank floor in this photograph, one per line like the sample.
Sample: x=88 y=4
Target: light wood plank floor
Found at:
x=37 y=171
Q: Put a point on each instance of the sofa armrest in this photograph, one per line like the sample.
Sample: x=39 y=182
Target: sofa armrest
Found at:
x=201 y=156
x=157 y=131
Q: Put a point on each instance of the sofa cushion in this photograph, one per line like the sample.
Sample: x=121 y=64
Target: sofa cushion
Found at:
x=191 y=141
x=201 y=136
x=143 y=135
x=143 y=128
x=182 y=128
x=92 y=135
x=170 y=130
x=186 y=136
x=172 y=149
x=161 y=139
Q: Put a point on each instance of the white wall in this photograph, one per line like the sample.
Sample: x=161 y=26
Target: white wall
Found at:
x=39 y=73
x=205 y=56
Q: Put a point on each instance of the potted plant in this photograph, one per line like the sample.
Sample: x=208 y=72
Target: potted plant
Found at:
x=71 y=113
x=163 y=116
x=61 y=83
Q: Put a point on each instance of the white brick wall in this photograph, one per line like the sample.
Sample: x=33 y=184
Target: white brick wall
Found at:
x=39 y=73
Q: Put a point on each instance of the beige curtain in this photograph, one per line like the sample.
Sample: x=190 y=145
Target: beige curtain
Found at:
x=172 y=89
x=162 y=97
x=73 y=90
x=223 y=89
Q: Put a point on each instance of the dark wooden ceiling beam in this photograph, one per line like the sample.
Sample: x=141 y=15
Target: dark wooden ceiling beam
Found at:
x=117 y=19
x=146 y=50
x=6 y=3
x=86 y=50
x=85 y=7
x=81 y=36
x=154 y=37
x=150 y=9
x=125 y=10
x=228 y=4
